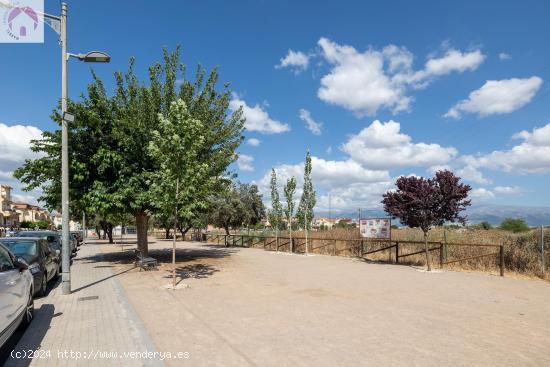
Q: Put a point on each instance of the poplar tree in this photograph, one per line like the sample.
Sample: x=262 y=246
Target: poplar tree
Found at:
x=308 y=200
x=290 y=188
x=276 y=213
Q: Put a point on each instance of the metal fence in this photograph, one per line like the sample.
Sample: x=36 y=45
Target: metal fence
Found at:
x=396 y=250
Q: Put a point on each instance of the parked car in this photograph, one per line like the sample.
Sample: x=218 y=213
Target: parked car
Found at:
x=43 y=261
x=79 y=236
x=16 y=294
x=52 y=237
x=74 y=237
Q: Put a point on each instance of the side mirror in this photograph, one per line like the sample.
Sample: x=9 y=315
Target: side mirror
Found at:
x=21 y=263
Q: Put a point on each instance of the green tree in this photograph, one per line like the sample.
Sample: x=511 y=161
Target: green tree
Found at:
x=484 y=225
x=182 y=182
x=307 y=201
x=514 y=225
x=236 y=205
x=111 y=168
x=290 y=189
x=276 y=212
x=92 y=157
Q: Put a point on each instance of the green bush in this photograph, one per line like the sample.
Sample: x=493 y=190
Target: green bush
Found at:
x=514 y=225
x=483 y=225
x=40 y=224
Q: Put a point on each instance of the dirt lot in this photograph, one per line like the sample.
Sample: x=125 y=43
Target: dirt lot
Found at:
x=252 y=307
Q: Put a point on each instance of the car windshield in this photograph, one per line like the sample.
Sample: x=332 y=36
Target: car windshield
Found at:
x=28 y=249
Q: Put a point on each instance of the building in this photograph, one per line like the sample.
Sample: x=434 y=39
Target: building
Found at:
x=328 y=223
x=8 y=216
x=57 y=220
x=30 y=213
x=12 y=214
x=322 y=222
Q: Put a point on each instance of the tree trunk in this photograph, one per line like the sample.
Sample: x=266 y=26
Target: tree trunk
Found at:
x=427 y=252
x=98 y=232
x=226 y=227
x=141 y=227
x=110 y=232
x=184 y=231
x=166 y=233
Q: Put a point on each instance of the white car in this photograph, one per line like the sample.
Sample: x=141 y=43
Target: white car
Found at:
x=16 y=294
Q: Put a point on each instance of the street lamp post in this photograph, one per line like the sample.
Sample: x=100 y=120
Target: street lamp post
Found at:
x=94 y=56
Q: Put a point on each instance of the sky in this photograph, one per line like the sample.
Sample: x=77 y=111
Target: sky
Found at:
x=372 y=90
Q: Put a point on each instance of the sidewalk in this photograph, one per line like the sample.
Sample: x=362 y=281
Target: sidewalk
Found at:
x=94 y=326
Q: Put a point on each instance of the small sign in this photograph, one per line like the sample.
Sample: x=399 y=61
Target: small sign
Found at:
x=375 y=228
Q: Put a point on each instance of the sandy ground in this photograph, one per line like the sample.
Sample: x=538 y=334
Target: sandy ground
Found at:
x=253 y=307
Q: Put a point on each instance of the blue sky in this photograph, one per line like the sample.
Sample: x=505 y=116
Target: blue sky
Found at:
x=392 y=61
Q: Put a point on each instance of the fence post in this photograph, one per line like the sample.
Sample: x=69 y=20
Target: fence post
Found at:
x=397 y=252
x=542 y=248
x=446 y=249
x=361 y=249
x=501 y=260
x=440 y=255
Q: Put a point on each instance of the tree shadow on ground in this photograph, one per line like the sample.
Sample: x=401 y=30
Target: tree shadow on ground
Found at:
x=164 y=256
x=196 y=271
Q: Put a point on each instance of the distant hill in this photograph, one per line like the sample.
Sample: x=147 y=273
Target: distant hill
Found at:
x=494 y=214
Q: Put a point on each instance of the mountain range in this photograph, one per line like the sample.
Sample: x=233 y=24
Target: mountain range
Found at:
x=494 y=214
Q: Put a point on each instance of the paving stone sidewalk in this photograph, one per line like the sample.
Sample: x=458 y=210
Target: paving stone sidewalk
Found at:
x=94 y=326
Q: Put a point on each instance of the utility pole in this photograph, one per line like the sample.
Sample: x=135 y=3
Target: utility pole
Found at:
x=66 y=256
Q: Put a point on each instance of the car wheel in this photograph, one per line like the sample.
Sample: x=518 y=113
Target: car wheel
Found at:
x=29 y=312
x=43 y=285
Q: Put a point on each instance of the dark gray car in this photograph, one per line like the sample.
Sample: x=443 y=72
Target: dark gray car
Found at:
x=42 y=259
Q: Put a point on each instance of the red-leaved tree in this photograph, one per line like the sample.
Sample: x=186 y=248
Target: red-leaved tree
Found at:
x=424 y=203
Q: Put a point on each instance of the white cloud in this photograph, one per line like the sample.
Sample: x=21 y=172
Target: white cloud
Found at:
x=471 y=173
x=530 y=156
x=257 y=119
x=482 y=194
x=504 y=56
x=15 y=143
x=452 y=61
x=311 y=124
x=296 y=60
x=358 y=82
x=328 y=174
x=364 y=82
x=508 y=190
x=244 y=162
x=254 y=142
x=348 y=198
x=329 y=149
x=382 y=146
x=497 y=97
